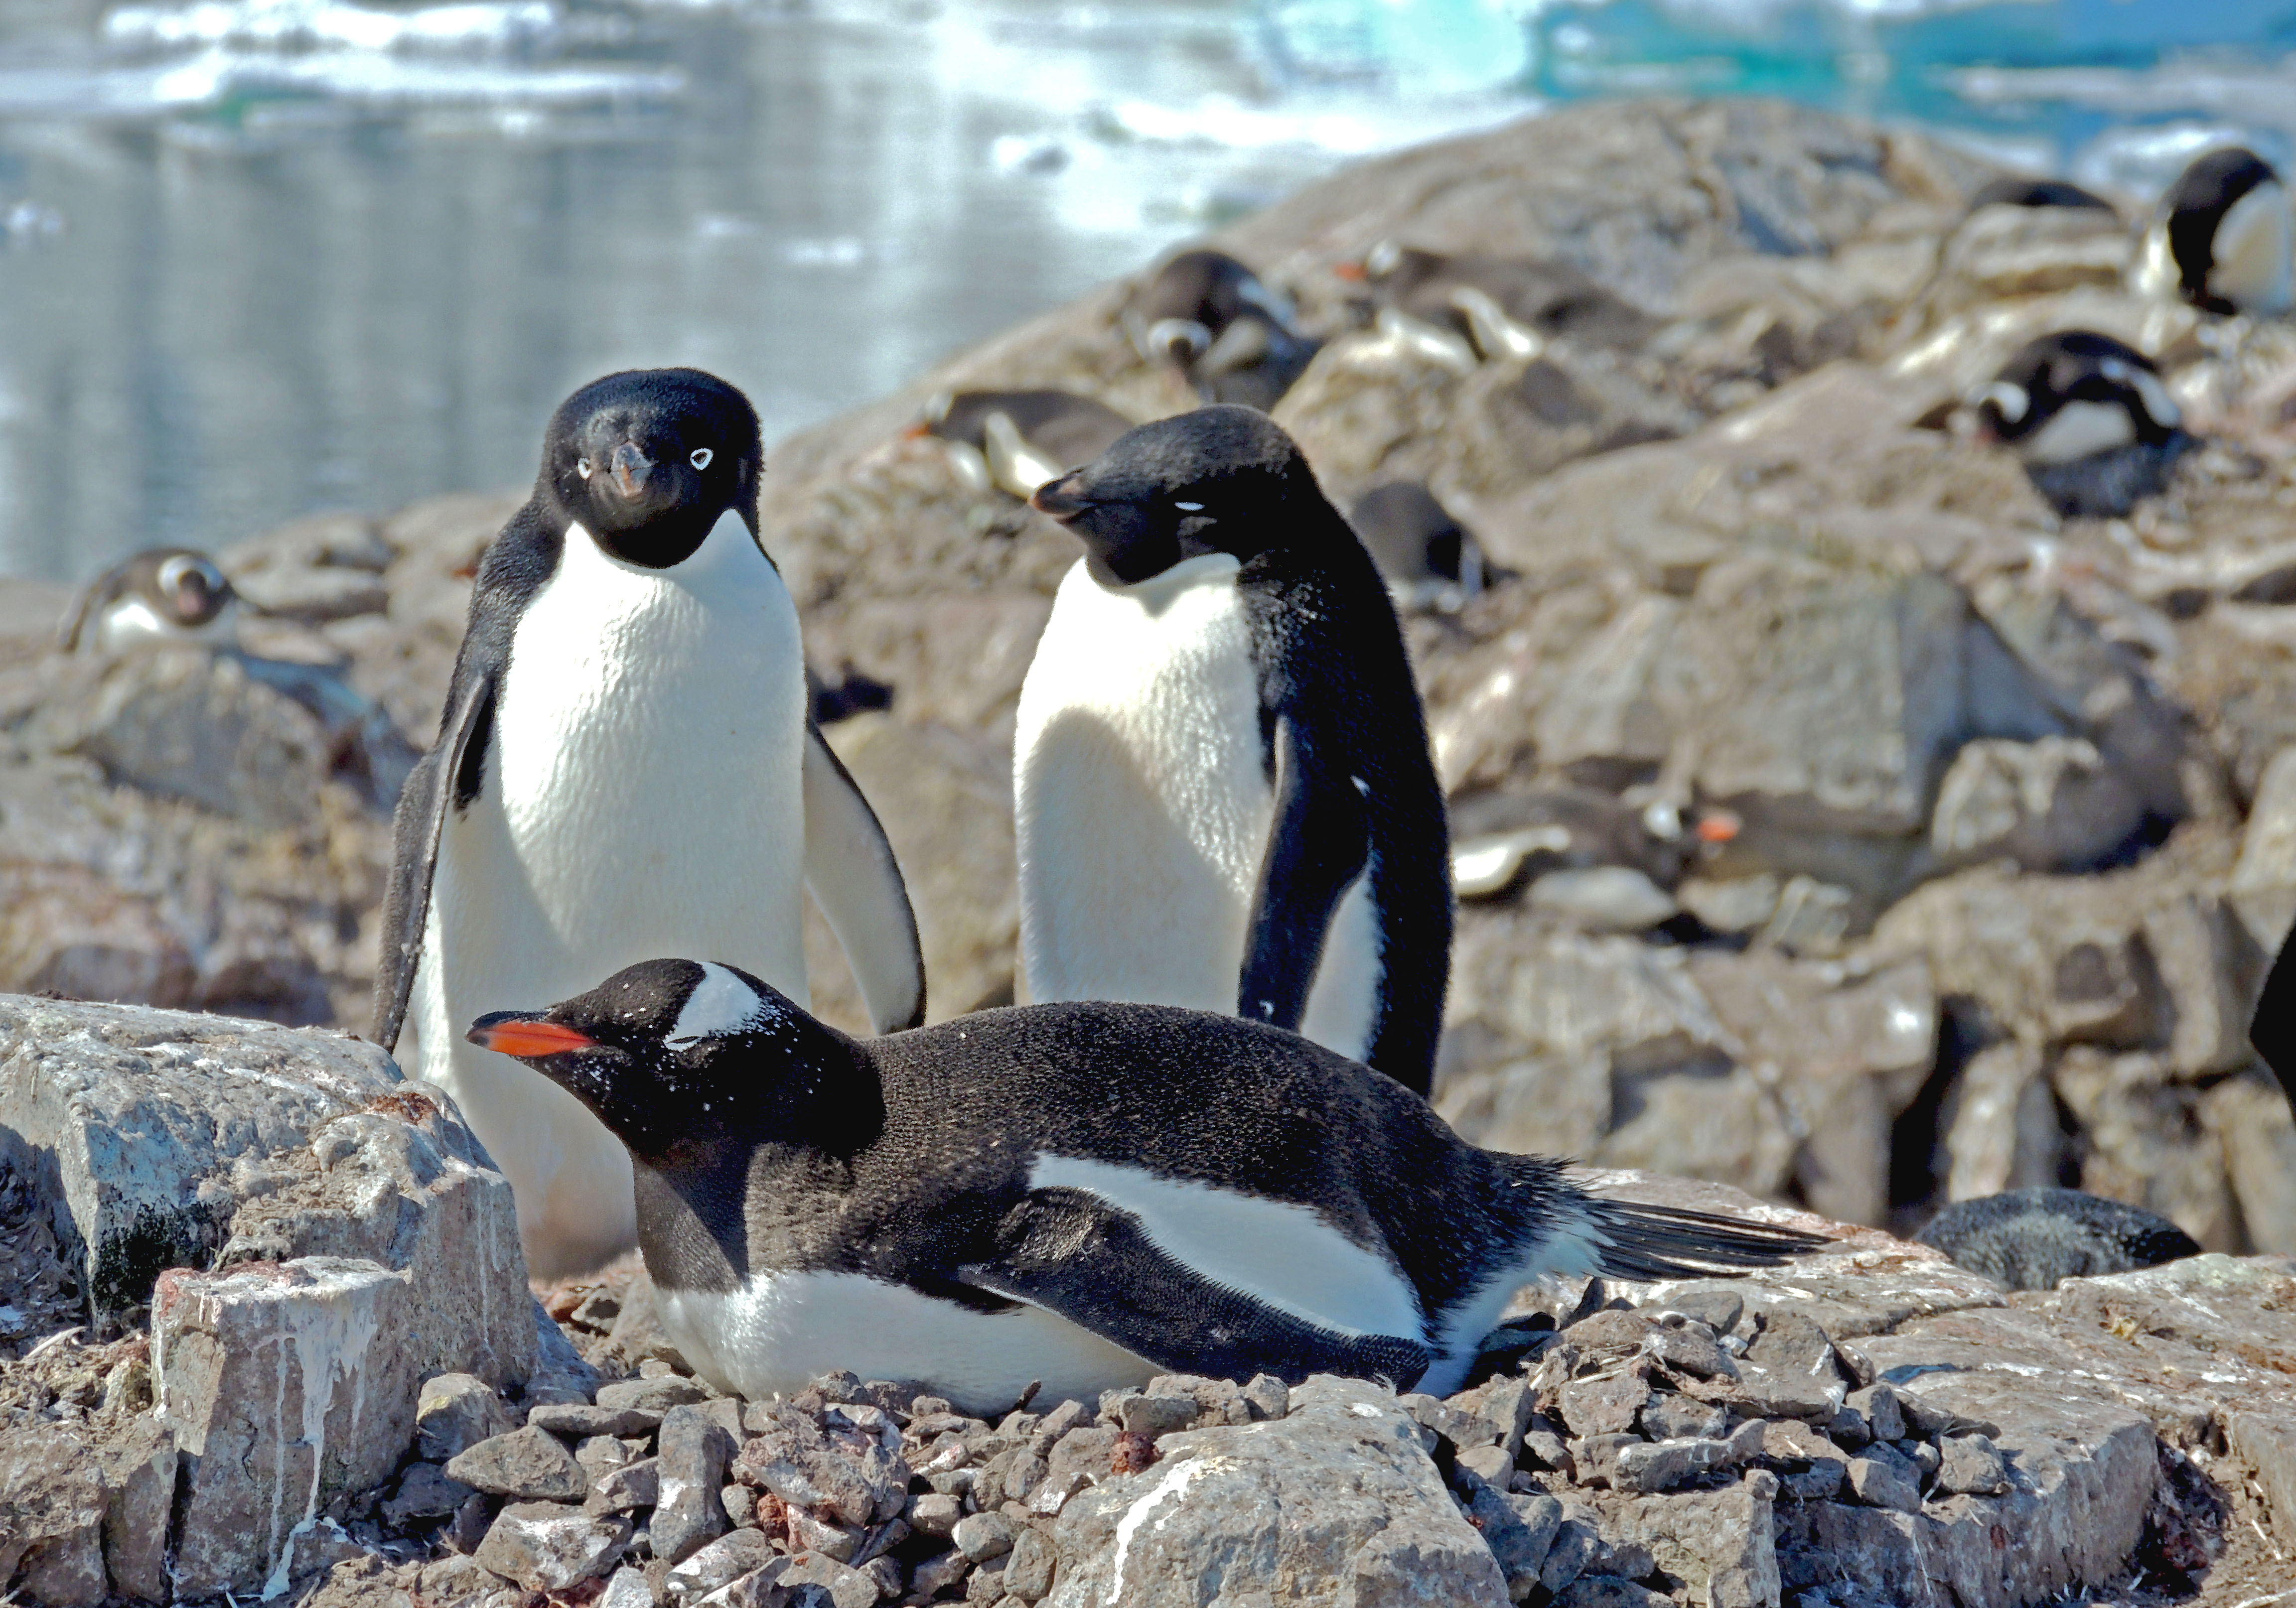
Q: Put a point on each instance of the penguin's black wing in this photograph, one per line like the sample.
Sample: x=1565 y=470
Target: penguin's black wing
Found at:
x=1073 y=1254
x=448 y=776
x=1316 y=845
x=2273 y=1029
x=854 y=879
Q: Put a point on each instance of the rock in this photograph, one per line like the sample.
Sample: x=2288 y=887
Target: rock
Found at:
x=454 y=1413
x=2251 y=1113
x=833 y=1584
x=1884 y=1478
x=2051 y=805
x=1604 y=1406
x=695 y=1450
x=2002 y=1132
x=983 y=1536
x=934 y=1514
x=2268 y=1445
x=1972 y=1465
x=819 y=1480
x=1156 y=1416
x=628 y=1588
x=1720 y=1540
x=52 y=1548
x=526 y=1465
x=2263 y=886
x=581 y=1418
x=651 y=1396
x=138 y=1469
x=425 y=1491
x=1363 y=1510
x=625 y=1489
x=1603 y=898
x=546 y=1546
x=719 y=1563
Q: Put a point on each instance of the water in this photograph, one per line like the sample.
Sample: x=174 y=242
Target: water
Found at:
x=262 y=257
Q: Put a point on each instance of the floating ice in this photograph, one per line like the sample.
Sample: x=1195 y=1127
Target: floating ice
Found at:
x=474 y=26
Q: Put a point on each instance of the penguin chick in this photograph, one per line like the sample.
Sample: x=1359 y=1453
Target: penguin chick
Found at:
x=2228 y=230
x=1507 y=306
x=2090 y=420
x=626 y=766
x=1226 y=329
x=1080 y=1195
x=2037 y=193
x=2028 y=1240
x=1223 y=797
x=1428 y=559
x=1024 y=438
x=162 y=595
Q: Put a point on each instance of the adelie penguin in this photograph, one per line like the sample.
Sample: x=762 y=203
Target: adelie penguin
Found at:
x=1222 y=791
x=626 y=766
x=163 y=596
x=2226 y=236
x=1228 y=331
x=1077 y=1196
x=1017 y=440
x=2090 y=420
x=1506 y=306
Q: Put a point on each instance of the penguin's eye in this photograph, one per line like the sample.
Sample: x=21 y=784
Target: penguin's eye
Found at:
x=1189 y=508
x=582 y=468
x=700 y=457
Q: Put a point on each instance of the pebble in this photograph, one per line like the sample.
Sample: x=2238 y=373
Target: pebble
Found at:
x=983 y=1536
x=580 y=1419
x=847 y=1588
x=627 y=1589
x=1666 y=1416
x=1882 y=1478
x=655 y=1396
x=807 y=1533
x=454 y=1412
x=720 y=1562
x=937 y=1574
x=551 y=1546
x=424 y=1492
x=695 y=1450
x=526 y=1465
x=1972 y=1465
x=933 y=1514
x=626 y=1488
x=1028 y=1569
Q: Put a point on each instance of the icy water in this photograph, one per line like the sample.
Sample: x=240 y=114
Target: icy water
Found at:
x=261 y=257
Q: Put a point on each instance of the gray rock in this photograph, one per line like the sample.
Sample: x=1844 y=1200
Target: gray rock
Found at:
x=934 y=1514
x=1883 y=1478
x=51 y=1489
x=1518 y=1529
x=1268 y=1396
x=1972 y=1465
x=822 y=1582
x=1884 y=1416
x=1672 y=1417
x=628 y=1488
x=626 y=1587
x=820 y=1479
x=936 y=1574
x=600 y=1455
x=1487 y=1463
x=1028 y=1569
x=831 y=1540
x=983 y=1536
x=695 y=1450
x=526 y=1465
x=454 y=1413
x=548 y=1546
x=2268 y=1443
x=138 y=1463
x=1362 y=1510
x=1576 y=1545
x=425 y=1491
x=580 y=1418
x=1610 y=1591
x=1717 y=1542
x=652 y=1396
x=1156 y=1416
x=1604 y=1406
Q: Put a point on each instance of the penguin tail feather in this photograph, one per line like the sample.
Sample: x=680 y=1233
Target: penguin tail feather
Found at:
x=1645 y=1244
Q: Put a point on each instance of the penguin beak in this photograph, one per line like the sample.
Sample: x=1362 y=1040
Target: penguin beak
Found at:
x=631 y=466
x=529 y=1037
x=1355 y=273
x=1063 y=498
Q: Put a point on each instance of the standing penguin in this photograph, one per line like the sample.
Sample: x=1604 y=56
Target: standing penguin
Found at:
x=2228 y=233
x=1080 y=1196
x=162 y=595
x=1222 y=788
x=626 y=764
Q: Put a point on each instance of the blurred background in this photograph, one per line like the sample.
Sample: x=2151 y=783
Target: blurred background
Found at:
x=260 y=259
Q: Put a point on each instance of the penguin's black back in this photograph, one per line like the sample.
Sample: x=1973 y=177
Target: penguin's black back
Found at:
x=2037 y=193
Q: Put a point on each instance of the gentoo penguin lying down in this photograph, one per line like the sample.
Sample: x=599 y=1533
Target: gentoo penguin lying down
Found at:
x=2090 y=420
x=1228 y=331
x=1222 y=793
x=626 y=766
x=1020 y=439
x=1077 y=1195
x=158 y=596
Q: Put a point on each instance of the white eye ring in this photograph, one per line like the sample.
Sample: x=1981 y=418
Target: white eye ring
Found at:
x=582 y=468
x=700 y=457
x=1189 y=508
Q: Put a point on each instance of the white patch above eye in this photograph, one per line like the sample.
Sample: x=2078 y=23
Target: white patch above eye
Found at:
x=582 y=468
x=1189 y=508
x=720 y=1003
x=701 y=456
x=2010 y=399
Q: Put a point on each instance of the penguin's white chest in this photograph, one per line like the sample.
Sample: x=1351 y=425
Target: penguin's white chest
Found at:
x=1141 y=795
x=642 y=798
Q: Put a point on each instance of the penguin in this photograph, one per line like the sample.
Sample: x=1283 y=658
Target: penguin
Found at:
x=1428 y=559
x=1077 y=1195
x=1222 y=791
x=2272 y=1030
x=160 y=596
x=1228 y=331
x=1017 y=440
x=1506 y=307
x=2229 y=232
x=2038 y=194
x=2028 y=1240
x=626 y=764
x=2089 y=418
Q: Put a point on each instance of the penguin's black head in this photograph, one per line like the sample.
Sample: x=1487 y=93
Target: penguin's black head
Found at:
x=1221 y=479
x=649 y=459
x=672 y=1054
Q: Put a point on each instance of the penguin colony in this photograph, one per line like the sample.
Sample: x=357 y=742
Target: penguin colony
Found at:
x=1206 y=1149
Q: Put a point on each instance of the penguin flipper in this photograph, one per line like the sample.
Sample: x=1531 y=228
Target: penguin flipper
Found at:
x=1074 y=1255
x=441 y=780
x=1318 y=843
x=854 y=879
x=2272 y=1030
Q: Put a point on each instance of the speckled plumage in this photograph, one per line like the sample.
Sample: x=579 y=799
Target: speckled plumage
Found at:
x=2029 y=1239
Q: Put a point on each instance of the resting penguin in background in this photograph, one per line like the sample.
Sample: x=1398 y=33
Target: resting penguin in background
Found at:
x=2029 y=1239
x=1222 y=793
x=1017 y=440
x=1076 y=1196
x=626 y=766
x=1228 y=331
x=1428 y=559
x=2089 y=418
x=2038 y=194
x=1506 y=307
x=2227 y=235
x=160 y=596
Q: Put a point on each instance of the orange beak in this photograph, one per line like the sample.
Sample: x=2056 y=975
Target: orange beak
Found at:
x=1721 y=826
x=1353 y=273
x=526 y=1037
x=917 y=431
